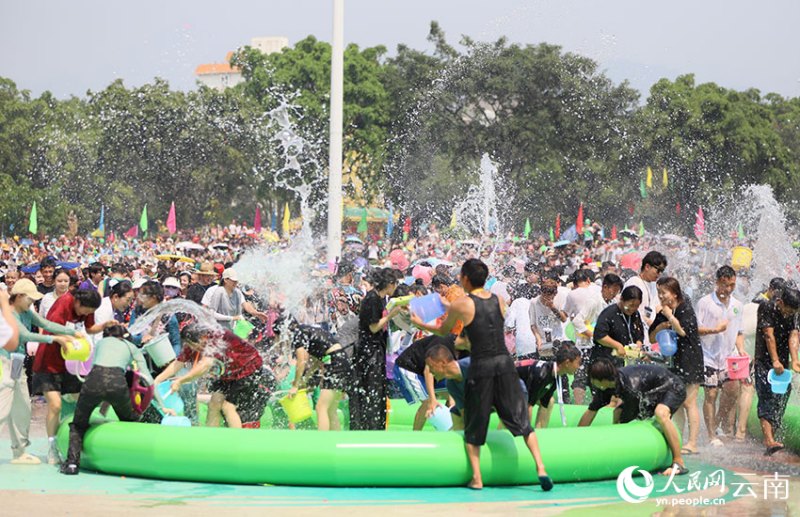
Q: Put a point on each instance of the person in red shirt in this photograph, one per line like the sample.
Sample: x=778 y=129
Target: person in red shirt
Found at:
x=240 y=391
x=50 y=376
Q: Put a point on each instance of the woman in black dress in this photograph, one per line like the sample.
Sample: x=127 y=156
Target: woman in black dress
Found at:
x=677 y=314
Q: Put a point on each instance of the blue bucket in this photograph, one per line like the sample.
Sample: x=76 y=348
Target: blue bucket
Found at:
x=780 y=383
x=441 y=419
x=176 y=421
x=171 y=400
x=428 y=307
x=667 y=342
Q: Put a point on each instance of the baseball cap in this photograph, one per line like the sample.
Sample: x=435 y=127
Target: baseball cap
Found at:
x=27 y=288
x=230 y=274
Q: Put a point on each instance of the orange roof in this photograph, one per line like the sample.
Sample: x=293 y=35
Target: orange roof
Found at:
x=215 y=68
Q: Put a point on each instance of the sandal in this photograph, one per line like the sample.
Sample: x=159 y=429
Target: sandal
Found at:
x=688 y=452
x=26 y=459
x=772 y=450
x=679 y=470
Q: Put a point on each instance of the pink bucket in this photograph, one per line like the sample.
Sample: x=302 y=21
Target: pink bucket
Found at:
x=738 y=367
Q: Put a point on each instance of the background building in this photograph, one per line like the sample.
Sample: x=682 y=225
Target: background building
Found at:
x=223 y=75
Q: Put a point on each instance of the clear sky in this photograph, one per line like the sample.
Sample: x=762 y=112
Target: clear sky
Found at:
x=69 y=47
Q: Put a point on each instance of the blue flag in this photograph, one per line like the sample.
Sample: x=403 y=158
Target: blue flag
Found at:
x=274 y=223
x=390 y=222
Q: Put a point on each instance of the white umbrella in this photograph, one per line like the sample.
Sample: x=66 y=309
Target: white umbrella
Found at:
x=189 y=245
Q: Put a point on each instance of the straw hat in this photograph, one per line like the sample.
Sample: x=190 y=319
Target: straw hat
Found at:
x=207 y=268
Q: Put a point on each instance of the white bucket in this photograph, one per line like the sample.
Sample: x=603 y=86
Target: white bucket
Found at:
x=160 y=350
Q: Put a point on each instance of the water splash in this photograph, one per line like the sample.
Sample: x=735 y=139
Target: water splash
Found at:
x=477 y=212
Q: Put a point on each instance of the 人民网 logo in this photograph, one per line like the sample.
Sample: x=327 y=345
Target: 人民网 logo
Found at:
x=629 y=490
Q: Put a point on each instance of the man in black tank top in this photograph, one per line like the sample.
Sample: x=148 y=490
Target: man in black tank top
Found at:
x=492 y=380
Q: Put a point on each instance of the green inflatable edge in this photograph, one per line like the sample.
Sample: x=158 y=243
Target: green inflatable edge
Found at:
x=366 y=458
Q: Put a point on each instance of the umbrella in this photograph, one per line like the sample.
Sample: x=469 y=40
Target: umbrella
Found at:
x=219 y=246
x=431 y=262
x=189 y=245
x=352 y=239
x=179 y=258
x=560 y=244
x=629 y=233
x=631 y=261
x=67 y=265
x=26 y=242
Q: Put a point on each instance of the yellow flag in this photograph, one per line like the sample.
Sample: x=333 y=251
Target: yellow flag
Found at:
x=453 y=220
x=286 y=220
x=649 y=177
x=664 y=178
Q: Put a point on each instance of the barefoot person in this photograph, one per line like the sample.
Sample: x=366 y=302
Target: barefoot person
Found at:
x=776 y=344
x=639 y=392
x=492 y=380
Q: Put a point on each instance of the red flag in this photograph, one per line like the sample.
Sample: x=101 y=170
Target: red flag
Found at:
x=407 y=225
x=631 y=208
x=700 y=224
x=614 y=232
x=171 y=222
x=133 y=232
x=579 y=222
x=677 y=209
x=558 y=226
x=111 y=237
x=257 y=222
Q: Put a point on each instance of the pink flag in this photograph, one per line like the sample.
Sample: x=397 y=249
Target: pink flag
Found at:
x=133 y=232
x=700 y=224
x=257 y=222
x=171 y=224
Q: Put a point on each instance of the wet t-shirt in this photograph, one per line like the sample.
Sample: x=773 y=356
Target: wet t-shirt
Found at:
x=770 y=316
x=539 y=380
x=371 y=312
x=636 y=385
x=238 y=357
x=413 y=357
x=619 y=326
x=314 y=339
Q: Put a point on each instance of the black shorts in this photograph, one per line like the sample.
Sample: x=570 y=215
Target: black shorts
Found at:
x=633 y=409
x=771 y=406
x=249 y=394
x=504 y=392
x=338 y=373
x=61 y=382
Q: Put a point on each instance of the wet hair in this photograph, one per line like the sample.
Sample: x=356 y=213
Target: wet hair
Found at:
x=777 y=284
x=439 y=353
x=154 y=289
x=790 y=298
x=120 y=289
x=88 y=298
x=603 y=370
x=654 y=259
x=439 y=280
x=726 y=272
x=383 y=278
x=523 y=291
x=532 y=267
x=611 y=280
x=631 y=293
x=672 y=285
x=550 y=275
x=117 y=331
x=344 y=268
x=193 y=332
x=417 y=289
x=476 y=272
x=566 y=351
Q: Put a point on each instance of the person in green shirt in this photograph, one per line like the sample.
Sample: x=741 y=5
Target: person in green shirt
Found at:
x=106 y=382
x=22 y=297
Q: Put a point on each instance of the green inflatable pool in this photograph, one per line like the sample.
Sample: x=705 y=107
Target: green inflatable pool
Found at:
x=366 y=458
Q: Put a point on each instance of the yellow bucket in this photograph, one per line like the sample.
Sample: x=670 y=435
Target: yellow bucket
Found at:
x=77 y=350
x=741 y=257
x=298 y=407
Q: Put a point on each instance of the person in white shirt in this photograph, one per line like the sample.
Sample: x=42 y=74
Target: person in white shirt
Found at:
x=547 y=313
x=719 y=320
x=584 y=305
x=227 y=301
x=518 y=321
x=61 y=286
x=653 y=264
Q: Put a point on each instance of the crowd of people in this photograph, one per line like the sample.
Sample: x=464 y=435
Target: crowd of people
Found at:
x=520 y=317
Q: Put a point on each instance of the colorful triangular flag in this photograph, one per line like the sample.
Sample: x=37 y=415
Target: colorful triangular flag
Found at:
x=33 y=220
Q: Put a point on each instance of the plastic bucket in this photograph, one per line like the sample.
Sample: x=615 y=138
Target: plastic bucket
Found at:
x=176 y=421
x=298 y=407
x=741 y=257
x=141 y=394
x=428 y=307
x=738 y=367
x=171 y=400
x=77 y=350
x=80 y=368
x=667 y=342
x=243 y=328
x=780 y=383
x=160 y=350
x=441 y=419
